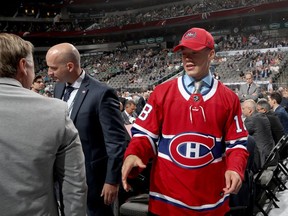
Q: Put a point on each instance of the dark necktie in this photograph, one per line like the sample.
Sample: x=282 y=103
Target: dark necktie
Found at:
x=248 y=89
x=67 y=93
x=197 y=87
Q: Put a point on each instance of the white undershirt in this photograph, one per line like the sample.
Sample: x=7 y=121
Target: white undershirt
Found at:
x=76 y=85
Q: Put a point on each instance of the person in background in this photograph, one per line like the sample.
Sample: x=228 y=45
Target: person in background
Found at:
x=31 y=161
x=129 y=115
x=198 y=157
x=142 y=101
x=122 y=101
x=276 y=127
x=38 y=84
x=249 y=90
x=284 y=94
x=274 y=99
x=271 y=86
x=258 y=126
x=94 y=109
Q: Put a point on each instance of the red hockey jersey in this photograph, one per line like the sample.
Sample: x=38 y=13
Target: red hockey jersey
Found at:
x=193 y=140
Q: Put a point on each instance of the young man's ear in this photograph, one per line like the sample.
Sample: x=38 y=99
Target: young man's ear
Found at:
x=212 y=54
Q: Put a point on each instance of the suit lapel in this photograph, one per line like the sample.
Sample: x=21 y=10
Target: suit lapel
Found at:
x=253 y=88
x=125 y=117
x=58 y=93
x=82 y=91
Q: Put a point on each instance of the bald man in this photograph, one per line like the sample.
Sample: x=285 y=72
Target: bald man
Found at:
x=94 y=109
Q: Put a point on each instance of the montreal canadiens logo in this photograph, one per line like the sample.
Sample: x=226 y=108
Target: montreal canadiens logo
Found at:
x=192 y=150
x=189 y=35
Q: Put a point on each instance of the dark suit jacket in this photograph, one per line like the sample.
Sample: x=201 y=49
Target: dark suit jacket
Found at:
x=123 y=101
x=258 y=126
x=243 y=197
x=97 y=117
x=283 y=116
x=284 y=103
x=141 y=103
x=276 y=126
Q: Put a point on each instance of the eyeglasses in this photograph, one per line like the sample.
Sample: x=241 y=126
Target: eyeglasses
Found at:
x=39 y=81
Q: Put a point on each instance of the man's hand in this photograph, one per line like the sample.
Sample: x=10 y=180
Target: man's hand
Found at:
x=130 y=162
x=109 y=192
x=233 y=182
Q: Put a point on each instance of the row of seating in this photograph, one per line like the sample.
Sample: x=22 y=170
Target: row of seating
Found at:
x=272 y=177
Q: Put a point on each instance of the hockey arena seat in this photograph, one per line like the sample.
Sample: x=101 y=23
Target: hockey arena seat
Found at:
x=267 y=180
x=135 y=206
x=283 y=152
x=137 y=203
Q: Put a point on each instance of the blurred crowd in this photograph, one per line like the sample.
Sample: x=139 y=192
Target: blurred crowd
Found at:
x=87 y=21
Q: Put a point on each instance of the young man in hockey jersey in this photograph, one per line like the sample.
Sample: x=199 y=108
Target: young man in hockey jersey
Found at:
x=195 y=136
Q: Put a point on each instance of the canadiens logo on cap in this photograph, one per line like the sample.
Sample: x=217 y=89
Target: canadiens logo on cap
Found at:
x=190 y=35
x=196 y=39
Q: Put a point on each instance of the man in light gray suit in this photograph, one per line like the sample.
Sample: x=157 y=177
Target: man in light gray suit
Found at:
x=39 y=144
x=129 y=114
x=249 y=90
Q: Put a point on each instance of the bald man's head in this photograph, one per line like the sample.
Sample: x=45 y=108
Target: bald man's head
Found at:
x=63 y=61
x=65 y=52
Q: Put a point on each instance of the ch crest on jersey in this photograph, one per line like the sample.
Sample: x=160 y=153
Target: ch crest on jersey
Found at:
x=192 y=150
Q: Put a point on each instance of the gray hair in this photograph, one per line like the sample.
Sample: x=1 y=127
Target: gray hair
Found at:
x=12 y=49
x=263 y=103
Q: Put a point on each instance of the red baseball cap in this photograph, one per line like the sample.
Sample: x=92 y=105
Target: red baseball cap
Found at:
x=196 y=39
